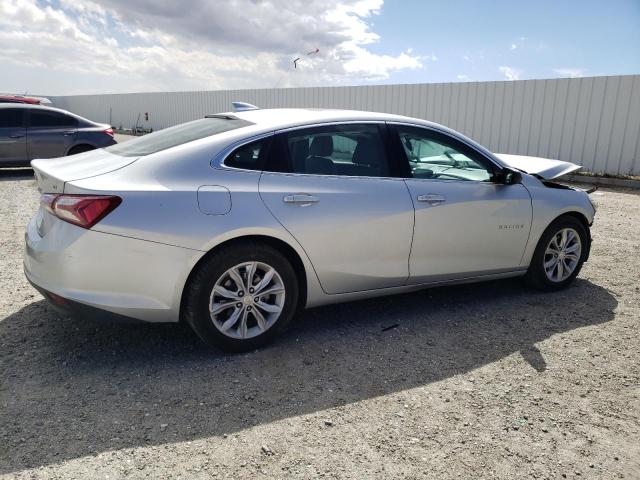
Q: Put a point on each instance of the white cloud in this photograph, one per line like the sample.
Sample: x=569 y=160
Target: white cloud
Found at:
x=510 y=73
x=519 y=42
x=570 y=72
x=373 y=66
x=462 y=77
x=118 y=44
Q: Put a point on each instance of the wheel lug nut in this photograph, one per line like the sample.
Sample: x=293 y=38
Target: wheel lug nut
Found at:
x=251 y=290
x=248 y=309
x=238 y=305
x=257 y=299
x=240 y=293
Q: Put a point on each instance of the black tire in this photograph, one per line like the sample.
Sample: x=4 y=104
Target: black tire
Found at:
x=80 y=149
x=536 y=275
x=195 y=308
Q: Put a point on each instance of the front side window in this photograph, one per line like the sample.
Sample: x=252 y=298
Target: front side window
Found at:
x=349 y=149
x=11 y=118
x=435 y=155
x=45 y=119
x=178 y=135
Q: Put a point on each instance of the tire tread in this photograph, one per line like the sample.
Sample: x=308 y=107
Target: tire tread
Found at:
x=198 y=285
x=536 y=276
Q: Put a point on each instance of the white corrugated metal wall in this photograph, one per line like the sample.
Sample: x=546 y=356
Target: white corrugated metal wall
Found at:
x=592 y=121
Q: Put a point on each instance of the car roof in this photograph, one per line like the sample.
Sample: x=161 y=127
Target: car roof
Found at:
x=28 y=106
x=270 y=119
x=19 y=99
x=33 y=107
x=278 y=118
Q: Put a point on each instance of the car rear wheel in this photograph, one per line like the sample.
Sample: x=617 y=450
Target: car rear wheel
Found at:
x=559 y=256
x=241 y=297
x=80 y=149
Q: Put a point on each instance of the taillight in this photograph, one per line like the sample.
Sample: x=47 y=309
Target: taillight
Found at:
x=46 y=201
x=81 y=210
x=109 y=131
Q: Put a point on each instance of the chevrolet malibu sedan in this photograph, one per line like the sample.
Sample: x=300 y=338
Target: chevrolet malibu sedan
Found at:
x=234 y=222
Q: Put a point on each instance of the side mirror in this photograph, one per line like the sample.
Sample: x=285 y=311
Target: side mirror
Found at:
x=509 y=177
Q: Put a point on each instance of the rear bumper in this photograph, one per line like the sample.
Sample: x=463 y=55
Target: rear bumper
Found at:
x=105 y=275
x=65 y=306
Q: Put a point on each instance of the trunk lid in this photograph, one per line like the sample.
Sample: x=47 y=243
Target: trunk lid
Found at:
x=53 y=173
x=544 y=168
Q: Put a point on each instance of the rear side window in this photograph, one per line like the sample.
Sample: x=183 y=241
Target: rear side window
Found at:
x=44 y=119
x=249 y=157
x=11 y=118
x=178 y=135
x=349 y=149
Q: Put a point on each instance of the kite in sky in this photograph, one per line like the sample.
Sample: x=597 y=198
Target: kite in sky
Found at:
x=312 y=52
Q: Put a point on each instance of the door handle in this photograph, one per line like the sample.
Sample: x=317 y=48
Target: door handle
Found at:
x=431 y=198
x=68 y=132
x=303 y=199
x=16 y=136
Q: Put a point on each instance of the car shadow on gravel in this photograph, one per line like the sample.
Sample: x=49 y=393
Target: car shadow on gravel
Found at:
x=71 y=387
x=16 y=174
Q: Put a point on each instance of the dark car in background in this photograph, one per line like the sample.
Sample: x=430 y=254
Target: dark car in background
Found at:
x=34 y=131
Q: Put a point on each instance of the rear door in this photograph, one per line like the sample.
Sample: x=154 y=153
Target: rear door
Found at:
x=49 y=133
x=333 y=189
x=13 y=136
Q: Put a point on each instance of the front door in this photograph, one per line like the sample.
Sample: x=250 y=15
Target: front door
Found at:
x=13 y=137
x=465 y=224
x=334 y=193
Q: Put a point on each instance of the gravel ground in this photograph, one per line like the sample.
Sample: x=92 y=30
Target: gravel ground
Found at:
x=478 y=381
x=120 y=137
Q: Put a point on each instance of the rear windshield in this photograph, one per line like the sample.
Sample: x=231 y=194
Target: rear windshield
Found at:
x=173 y=136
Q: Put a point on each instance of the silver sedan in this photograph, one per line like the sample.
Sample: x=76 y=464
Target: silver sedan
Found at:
x=234 y=222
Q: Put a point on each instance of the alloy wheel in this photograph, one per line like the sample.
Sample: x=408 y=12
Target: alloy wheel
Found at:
x=562 y=255
x=247 y=300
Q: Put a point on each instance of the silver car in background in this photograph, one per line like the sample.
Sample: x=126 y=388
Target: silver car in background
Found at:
x=33 y=131
x=233 y=222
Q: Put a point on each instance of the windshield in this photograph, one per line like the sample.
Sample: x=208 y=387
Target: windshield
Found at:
x=178 y=135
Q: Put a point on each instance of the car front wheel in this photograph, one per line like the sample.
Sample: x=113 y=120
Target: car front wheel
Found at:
x=559 y=256
x=241 y=297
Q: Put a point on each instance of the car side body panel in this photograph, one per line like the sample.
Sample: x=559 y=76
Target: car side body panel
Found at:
x=164 y=232
x=549 y=204
x=477 y=228
x=13 y=145
x=106 y=270
x=13 y=136
x=357 y=231
x=175 y=197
